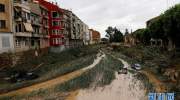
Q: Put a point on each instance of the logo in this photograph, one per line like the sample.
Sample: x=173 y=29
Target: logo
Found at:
x=161 y=96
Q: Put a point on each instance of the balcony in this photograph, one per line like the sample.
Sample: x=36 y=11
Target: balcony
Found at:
x=26 y=20
x=23 y=34
x=36 y=35
x=21 y=5
x=18 y=19
x=37 y=23
x=45 y=16
x=46 y=26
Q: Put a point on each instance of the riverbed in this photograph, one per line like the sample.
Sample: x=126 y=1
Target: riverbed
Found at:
x=124 y=87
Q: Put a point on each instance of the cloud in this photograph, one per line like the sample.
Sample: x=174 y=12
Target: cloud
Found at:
x=131 y=14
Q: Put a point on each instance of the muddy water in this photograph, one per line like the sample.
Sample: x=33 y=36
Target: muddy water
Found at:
x=124 y=87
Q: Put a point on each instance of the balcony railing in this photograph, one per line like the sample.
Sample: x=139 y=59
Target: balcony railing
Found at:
x=21 y=4
x=35 y=23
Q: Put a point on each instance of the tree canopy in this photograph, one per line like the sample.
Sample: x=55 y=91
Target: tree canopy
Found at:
x=114 y=34
x=166 y=26
x=143 y=35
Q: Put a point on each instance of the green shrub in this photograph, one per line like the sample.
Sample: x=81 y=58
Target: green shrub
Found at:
x=54 y=64
x=107 y=68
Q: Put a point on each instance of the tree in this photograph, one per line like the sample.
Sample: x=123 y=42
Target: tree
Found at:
x=146 y=37
x=118 y=36
x=156 y=28
x=167 y=26
x=114 y=34
x=110 y=33
x=172 y=24
x=143 y=35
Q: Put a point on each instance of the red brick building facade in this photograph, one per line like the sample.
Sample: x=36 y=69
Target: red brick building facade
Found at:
x=95 y=36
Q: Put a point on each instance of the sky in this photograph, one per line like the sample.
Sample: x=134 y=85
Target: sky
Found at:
x=130 y=14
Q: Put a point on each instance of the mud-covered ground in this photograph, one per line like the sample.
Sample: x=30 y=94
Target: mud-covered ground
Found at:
x=124 y=87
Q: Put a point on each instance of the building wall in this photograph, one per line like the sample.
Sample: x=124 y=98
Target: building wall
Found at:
x=130 y=40
x=67 y=27
x=76 y=31
x=22 y=44
x=95 y=37
x=6 y=42
x=44 y=42
x=44 y=29
x=6 y=36
x=35 y=20
x=22 y=25
x=7 y=15
x=55 y=33
x=86 y=35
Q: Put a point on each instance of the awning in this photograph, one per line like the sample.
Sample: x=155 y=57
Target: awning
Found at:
x=16 y=9
x=28 y=27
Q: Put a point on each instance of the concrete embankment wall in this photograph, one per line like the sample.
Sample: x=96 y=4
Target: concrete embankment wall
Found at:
x=11 y=59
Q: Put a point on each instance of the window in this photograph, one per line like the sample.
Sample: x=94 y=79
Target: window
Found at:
x=53 y=31
x=57 y=40
x=25 y=15
x=18 y=43
x=28 y=16
x=55 y=14
x=5 y=42
x=26 y=42
x=56 y=32
x=24 y=1
x=2 y=8
x=54 y=41
x=32 y=43
x=55 y=23
x=60 y=40
x=2 y=24
x=47 y=32
x=18 y=28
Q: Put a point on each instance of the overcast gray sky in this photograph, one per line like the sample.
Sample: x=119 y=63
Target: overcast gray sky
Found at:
x=131 y=14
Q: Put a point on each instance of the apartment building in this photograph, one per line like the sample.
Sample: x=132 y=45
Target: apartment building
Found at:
x=95 y=36
x=80 y=31
x=55 y=27
x=31 y=24
x=76 y=30
x=74 y=39
x=44 y=29
x=35 y=21
x=66 y=26
x=22 y=25
x=86 y=35
x=6 y=28
x=39 y=37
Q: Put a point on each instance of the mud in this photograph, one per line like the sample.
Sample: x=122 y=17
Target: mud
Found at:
x=124 y=87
